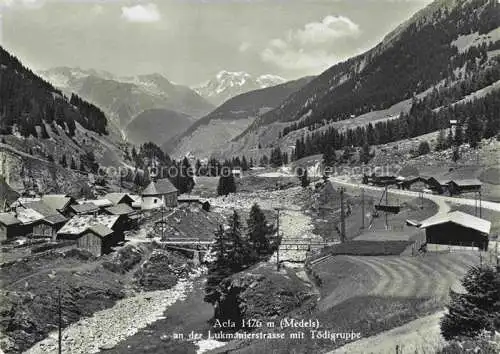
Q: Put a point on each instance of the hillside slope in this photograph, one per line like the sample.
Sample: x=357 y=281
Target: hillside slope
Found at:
x=49 y=143
x=157 y=125
x=444 y=52
x=230 y=119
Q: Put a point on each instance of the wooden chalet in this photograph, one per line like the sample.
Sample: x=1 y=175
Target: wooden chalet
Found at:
x=78 y=224
x=48 y=226
x=458 y=229
x=119 y=198
x=124 y=210
x=464 y=186
x=84 y=209
x=98 y=239
x=440 y=186
x=193 y=199
x=10 y=226
x=59 y=202
x=40 y=219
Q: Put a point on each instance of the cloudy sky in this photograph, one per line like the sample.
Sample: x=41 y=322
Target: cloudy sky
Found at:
x=189 y=41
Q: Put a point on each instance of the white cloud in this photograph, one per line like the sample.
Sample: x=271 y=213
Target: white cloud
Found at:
x=311 y=48
x=141 y=13
x=331 y=28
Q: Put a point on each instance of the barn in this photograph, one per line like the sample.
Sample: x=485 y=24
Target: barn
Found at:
x=98 y=240
x=457 y=229
x=48 y=226
x=10 y=226
x=158 y=194
x=464 y=186
x=79 y=224
x=85 y=208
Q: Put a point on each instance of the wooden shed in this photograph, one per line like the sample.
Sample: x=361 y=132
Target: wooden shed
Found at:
x=457 y=229
x=10 y=226
x=98 y=240
x=464 y=186
x=49 y=226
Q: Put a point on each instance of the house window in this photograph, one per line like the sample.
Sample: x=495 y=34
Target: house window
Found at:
x=155 y=200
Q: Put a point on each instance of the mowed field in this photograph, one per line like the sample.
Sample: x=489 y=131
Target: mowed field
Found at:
x=428 y=276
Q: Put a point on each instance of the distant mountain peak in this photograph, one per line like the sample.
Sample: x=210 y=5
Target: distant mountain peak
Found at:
x=228 y=84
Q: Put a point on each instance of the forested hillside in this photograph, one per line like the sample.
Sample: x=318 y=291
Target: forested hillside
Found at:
x=421 y=56
x=26 y=101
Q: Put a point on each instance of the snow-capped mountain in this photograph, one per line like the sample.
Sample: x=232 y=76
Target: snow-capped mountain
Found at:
x=125 y=98
x=228 y=84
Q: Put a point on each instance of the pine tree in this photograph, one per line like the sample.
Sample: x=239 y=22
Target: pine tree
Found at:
x=474 y=131
x=477 y=309
x=365 y=154
x=459 y=135
x=329 y=156
x=441 y=141
x=73 y=164
x=424 y=148
x=219 y=268
x=63 y=161
x=304 y=179
x=259 y=232
x=239 y=252
x=226 y=185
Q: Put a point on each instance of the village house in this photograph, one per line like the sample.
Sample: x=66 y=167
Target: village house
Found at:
x=457 y=229
x=119 y=198
x=83 y=209
x=98 y=240
x=131 y=216
x=79 y=224
x=10 y=226
x=464 y=186
x=159 y=194
x=58 y=202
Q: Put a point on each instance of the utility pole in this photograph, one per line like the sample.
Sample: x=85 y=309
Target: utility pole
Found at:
x=342 y=216
x=480 y=205
x=362 y=208
x=386 y=204
x=278 y=238
x=60 y=321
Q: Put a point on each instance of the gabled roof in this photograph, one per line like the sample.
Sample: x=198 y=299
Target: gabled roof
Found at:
x=23 y=200
x=120 y=209
x=55 y=219
x=57 y=201
x=102 y=203
x=160 y=187
x=467 y=182
x=459 y=218
x=28 y=215
x=117 y=198
x=8 y=219
x=100 y=230
x=79 y=223
x=85 y=208
x=41 y=208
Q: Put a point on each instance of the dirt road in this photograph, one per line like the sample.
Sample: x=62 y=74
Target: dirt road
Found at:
x=438 y=199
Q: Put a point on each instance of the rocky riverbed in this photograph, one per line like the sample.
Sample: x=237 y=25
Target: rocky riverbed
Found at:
x=107 y=328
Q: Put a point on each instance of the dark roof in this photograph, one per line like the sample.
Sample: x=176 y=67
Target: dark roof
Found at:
x=117 y=198
x=8 y=219
x=466 y=182
x=160 y=187
x=120 y=209
x=460 y=218
x=57 y=201
x=55 y=219
x=85 y=208
x=41 y=208
x=100 y=230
